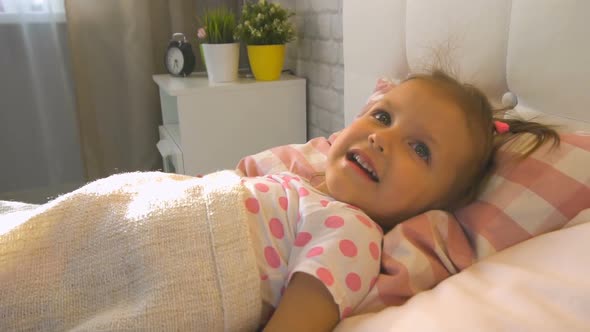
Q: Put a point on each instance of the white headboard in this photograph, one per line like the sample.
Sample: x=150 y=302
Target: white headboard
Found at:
x=537 y=49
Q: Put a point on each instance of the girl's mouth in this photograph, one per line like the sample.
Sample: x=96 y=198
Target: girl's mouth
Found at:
x=364 y=164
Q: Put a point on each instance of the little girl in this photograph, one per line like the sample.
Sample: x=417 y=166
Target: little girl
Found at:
x=309 y=255
x=427 y=143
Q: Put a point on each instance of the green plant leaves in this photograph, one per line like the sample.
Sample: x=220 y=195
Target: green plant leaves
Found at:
x=219 y=25
x=265 y=23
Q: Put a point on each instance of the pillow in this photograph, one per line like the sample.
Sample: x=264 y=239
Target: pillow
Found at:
x=537 y=195
x=522 y=200
x=302 y=159
x=537 y=285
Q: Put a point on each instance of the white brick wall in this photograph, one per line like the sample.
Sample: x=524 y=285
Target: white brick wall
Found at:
x=317 y=56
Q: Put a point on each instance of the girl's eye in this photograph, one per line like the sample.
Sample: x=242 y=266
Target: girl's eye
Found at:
x=422 y=151
x=382 y=117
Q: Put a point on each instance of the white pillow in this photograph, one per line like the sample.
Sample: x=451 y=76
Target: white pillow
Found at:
x=538 y=285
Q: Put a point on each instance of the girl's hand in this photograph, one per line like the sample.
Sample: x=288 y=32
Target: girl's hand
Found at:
x=307 y=305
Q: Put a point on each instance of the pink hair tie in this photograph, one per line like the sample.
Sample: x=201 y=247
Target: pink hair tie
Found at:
x=501 y=127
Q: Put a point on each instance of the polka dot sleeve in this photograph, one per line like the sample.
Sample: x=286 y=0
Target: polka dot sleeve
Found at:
x=339 y=245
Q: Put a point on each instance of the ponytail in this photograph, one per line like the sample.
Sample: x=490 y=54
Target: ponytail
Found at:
x=517 y=128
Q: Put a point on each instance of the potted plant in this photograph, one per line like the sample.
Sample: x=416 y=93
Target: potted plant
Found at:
x=219 y=48
x=265 y=28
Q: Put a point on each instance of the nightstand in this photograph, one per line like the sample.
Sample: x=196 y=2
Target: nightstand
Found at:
x=208 y=127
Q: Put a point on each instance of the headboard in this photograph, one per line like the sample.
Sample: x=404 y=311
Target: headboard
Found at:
x=535 y=49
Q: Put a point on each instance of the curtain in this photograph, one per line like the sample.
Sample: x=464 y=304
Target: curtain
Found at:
x=77 y=100
x=39 y=143
x=116 y=47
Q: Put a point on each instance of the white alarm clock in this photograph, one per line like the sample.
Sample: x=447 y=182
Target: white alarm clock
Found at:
x=179 y=59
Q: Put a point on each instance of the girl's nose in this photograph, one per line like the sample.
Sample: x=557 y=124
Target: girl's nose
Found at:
x=375 y=142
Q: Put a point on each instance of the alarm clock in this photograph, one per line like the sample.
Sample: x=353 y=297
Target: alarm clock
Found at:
x=179 y=59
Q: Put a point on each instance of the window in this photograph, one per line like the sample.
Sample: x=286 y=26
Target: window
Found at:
x=25 y=11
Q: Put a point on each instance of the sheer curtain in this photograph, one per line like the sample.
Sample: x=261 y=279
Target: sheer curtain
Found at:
x=39 y=143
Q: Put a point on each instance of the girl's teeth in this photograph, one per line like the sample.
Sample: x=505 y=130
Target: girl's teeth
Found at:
x=365 y=165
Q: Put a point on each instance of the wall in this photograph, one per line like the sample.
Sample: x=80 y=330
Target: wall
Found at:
x=317 y=56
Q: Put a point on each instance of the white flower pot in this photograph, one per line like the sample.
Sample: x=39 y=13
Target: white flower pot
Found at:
x=222 y=61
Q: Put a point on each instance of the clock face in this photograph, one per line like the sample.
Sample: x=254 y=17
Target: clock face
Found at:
x=174 y=60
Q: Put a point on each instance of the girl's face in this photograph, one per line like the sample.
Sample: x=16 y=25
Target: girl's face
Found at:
x=402 y=156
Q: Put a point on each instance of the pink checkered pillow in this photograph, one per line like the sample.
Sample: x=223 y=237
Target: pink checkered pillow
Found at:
x=540 y=194
x=304 y=160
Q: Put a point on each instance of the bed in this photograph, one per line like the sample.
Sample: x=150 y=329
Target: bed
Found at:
x=523 y=263
x=537 y=50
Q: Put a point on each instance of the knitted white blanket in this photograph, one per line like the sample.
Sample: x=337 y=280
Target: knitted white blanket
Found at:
x=136 y=251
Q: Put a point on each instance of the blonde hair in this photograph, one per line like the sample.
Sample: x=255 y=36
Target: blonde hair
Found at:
x=480 y=118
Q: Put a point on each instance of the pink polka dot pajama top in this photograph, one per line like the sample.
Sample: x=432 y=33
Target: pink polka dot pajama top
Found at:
x=296 y=228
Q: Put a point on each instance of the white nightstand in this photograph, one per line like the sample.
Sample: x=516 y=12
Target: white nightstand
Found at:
x=208 y=127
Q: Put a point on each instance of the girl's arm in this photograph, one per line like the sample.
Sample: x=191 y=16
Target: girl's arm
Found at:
x=306 y=305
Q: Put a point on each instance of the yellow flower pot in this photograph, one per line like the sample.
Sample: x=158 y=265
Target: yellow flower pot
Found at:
x=266 y=61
